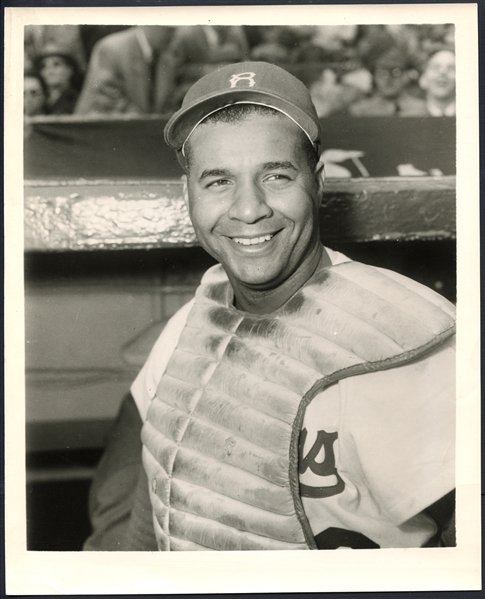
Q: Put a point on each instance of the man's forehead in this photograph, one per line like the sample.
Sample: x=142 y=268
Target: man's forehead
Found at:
x=278 y=120
x=257 y=130
x=444 y=56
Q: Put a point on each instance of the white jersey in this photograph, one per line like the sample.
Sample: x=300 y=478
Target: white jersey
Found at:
x=375 y=449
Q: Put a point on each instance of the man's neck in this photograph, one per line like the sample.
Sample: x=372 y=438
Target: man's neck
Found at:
x=268 y=300
x=55 y=93
x=438 y=106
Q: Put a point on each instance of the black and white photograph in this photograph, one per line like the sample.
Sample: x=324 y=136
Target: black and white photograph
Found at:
x=242 y=308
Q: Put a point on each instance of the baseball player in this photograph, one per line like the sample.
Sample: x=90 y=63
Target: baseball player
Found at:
x=301 y=400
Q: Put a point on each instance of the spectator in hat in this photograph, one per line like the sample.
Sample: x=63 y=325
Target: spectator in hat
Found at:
x=62 y=78
x=37 y=37
x=391 y=77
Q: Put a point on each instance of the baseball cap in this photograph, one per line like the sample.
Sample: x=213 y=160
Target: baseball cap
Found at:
x=244 y=83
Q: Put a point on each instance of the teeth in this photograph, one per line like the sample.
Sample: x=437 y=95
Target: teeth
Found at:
x=253 y=241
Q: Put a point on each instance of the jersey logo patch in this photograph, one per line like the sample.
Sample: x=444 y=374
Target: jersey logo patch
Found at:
x=336 y=538
x=248 y=78
x=325 y=468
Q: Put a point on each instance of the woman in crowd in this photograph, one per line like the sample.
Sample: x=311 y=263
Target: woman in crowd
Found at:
x=62 y=79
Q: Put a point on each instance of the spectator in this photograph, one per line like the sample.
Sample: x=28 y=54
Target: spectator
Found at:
x=130 y=72
x=200 y=49
x=390 y=97
x=90 y=34
x=331 y=95
x=270 y=47
x=373 y=40
x=62 y=78
x=336 y=41
x=434 y=38
x=305 y=48
x=209 y=44
x=37 y=37
x=34 y=95
x=438 y=83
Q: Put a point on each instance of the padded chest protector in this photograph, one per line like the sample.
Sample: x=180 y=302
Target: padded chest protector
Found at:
x=221 y=436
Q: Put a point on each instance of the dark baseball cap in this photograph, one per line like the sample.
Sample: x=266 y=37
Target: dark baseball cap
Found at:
x=244 y=83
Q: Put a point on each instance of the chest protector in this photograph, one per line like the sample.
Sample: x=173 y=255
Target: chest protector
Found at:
x=221 y=435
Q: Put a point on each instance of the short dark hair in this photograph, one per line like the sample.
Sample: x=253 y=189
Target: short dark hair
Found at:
x=236 y=113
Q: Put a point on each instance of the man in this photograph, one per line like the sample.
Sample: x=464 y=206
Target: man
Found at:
x=199 y=49
x=301 y=400
x=390 y=98
x=438 y=83
x=130 y=72
x=34 y=94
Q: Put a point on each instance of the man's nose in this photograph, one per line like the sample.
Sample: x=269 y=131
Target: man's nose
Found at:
x=249 y=203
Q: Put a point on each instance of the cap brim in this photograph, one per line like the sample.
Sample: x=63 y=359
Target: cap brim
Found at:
x=183 y=122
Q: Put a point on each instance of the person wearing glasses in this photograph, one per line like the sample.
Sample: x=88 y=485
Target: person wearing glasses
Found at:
x=390 y=97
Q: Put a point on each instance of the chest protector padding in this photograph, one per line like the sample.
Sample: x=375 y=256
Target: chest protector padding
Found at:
x=221 y=436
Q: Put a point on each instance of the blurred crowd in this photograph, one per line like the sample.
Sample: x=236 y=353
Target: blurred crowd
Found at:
x=360 y=70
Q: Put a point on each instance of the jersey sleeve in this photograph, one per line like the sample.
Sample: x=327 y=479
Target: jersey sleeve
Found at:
x=145 y=385
x=399 y=424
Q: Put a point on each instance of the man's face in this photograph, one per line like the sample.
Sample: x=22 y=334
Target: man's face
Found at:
x=33 y=96
x=390 y=80
x=438 y=79
x=253 y=198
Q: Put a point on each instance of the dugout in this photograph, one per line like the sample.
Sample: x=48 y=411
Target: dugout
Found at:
x=110 y=255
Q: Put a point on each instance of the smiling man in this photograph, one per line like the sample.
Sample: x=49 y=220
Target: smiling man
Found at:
x=253 y=197
x=301 y=400
x=438 y=83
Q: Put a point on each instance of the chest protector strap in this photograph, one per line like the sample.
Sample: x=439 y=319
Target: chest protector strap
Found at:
x=221 y=436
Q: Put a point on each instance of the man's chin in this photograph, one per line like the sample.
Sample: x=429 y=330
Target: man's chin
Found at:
x=253 y=281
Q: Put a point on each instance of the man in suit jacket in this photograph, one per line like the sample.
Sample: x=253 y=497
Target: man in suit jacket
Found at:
x=130 y=72
x=199 y=49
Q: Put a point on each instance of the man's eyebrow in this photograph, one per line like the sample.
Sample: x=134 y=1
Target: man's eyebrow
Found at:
x=285 y=164
x=224 y=172
x=214 y=172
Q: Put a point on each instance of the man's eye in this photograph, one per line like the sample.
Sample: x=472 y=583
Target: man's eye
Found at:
x=277 y=177
x=218 y=183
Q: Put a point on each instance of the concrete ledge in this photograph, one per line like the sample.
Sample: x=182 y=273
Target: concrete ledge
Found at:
x=141 y=214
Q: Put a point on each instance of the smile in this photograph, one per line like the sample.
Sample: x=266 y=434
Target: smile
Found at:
x=253 y=240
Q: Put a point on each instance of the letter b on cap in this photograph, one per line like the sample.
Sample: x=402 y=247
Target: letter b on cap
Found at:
x=244 y=77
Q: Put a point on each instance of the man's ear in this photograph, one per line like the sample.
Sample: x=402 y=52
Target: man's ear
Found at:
x=185 y=190
x=320 y=178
